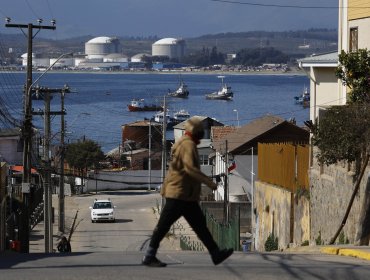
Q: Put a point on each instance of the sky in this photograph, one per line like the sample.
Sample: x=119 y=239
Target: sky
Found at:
x=168 y=18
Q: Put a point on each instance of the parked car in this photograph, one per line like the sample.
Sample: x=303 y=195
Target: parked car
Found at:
x=102 y=210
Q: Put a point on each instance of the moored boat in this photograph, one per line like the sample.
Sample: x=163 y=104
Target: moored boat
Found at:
x=181 y=92
x=180 y=116
x=140 y=105
x=304 y=98
x=224 y=93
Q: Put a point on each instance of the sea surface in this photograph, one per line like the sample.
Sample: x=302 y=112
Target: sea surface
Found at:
x=97 y=107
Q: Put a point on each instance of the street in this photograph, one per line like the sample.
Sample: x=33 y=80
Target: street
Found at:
x=115 y=250
x=134 y=224
x=181 y=265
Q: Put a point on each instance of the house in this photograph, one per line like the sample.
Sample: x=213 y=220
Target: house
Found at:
x=331 y=186
x=242 y=146
x=139 y=132
x=141 y=143
x=324 y=85
x=11 y=146
x=236 y=159
x=204 y=148
x=208 y=123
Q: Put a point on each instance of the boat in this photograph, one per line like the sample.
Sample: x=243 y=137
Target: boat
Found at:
x=180 y=116
x=224 y=93
x=304 y=98
x=181 y=92
x=159 y=118
x=140 y=105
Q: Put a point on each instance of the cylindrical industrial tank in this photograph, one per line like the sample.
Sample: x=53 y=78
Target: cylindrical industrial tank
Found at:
x=171 y=47
x=99 y=47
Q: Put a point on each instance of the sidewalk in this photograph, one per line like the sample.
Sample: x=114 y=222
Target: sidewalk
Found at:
x=361 y=252
x=37 y=242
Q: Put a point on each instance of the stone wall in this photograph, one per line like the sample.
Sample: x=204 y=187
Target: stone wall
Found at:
x=331 y=188
x=274 y=209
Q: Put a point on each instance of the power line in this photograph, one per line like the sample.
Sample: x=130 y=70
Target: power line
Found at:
x=31 y=9
x=285 y=6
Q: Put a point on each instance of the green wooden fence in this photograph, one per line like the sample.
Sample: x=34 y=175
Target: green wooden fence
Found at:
x=226 y=236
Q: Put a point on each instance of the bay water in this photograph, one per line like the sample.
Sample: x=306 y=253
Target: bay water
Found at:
x=97 y=107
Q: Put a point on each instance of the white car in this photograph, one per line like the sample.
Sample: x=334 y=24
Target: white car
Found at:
x=102 y=210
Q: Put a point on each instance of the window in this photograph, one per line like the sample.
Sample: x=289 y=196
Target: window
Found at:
x=353 y=39
x=203 y=159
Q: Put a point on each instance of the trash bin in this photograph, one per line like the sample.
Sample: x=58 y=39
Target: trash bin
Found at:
x=246 y=245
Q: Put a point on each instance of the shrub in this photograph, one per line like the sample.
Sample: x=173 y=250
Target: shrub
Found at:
x=271 y=243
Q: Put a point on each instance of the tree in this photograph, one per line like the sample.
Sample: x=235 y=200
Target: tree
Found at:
x=84 y=155
x=256 y=57
x=343 y=132
x=354 y=71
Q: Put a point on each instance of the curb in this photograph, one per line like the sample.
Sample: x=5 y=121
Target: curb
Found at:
x=346 y=252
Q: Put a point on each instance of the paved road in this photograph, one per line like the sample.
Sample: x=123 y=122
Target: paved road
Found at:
x=181 y=265
x=134 y=224
x=114 y=251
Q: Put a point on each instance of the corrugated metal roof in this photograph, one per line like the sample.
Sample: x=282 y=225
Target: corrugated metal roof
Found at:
x=329 y=58
x=249 y=132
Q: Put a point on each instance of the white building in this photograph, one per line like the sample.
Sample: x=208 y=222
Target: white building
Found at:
x=36 y=61
x=139 y=57
x=100 y=47
x=171 y=47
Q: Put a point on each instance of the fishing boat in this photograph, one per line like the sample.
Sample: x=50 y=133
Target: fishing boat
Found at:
x=140 y=105
x=224 y=93
x=304 y=98
x=180 y=116
x=159 y=118
x=181 y=92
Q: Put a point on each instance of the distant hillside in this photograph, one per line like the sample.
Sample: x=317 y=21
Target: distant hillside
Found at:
x=297 y=43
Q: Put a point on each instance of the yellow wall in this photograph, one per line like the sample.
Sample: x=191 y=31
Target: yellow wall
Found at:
x=273 y=207
x=358 y=9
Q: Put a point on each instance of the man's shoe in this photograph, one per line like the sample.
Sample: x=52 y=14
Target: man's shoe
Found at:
x=222 y=255
x=153 y=262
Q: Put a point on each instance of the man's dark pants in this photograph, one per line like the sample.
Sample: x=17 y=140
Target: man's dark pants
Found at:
x=192 y=213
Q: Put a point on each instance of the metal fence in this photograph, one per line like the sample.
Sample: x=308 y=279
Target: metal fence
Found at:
x=284 y=165
x=226 y=236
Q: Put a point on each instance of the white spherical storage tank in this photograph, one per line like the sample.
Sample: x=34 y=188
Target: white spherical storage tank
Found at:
x=100 y=47
x=171 y=47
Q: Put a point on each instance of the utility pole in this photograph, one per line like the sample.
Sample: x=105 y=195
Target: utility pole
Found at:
x=226 y=187
x=48 y=225
x=164 y=144
x=27 y=131
x=61 y=171
x=150 y=155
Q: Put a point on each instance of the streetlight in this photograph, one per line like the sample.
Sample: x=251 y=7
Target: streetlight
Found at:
x=43 y=73
x=237 y=116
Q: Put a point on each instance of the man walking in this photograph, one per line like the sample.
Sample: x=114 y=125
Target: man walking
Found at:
x=181 y=189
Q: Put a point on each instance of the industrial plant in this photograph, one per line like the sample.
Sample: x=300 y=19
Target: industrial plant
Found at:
x=107 y=53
